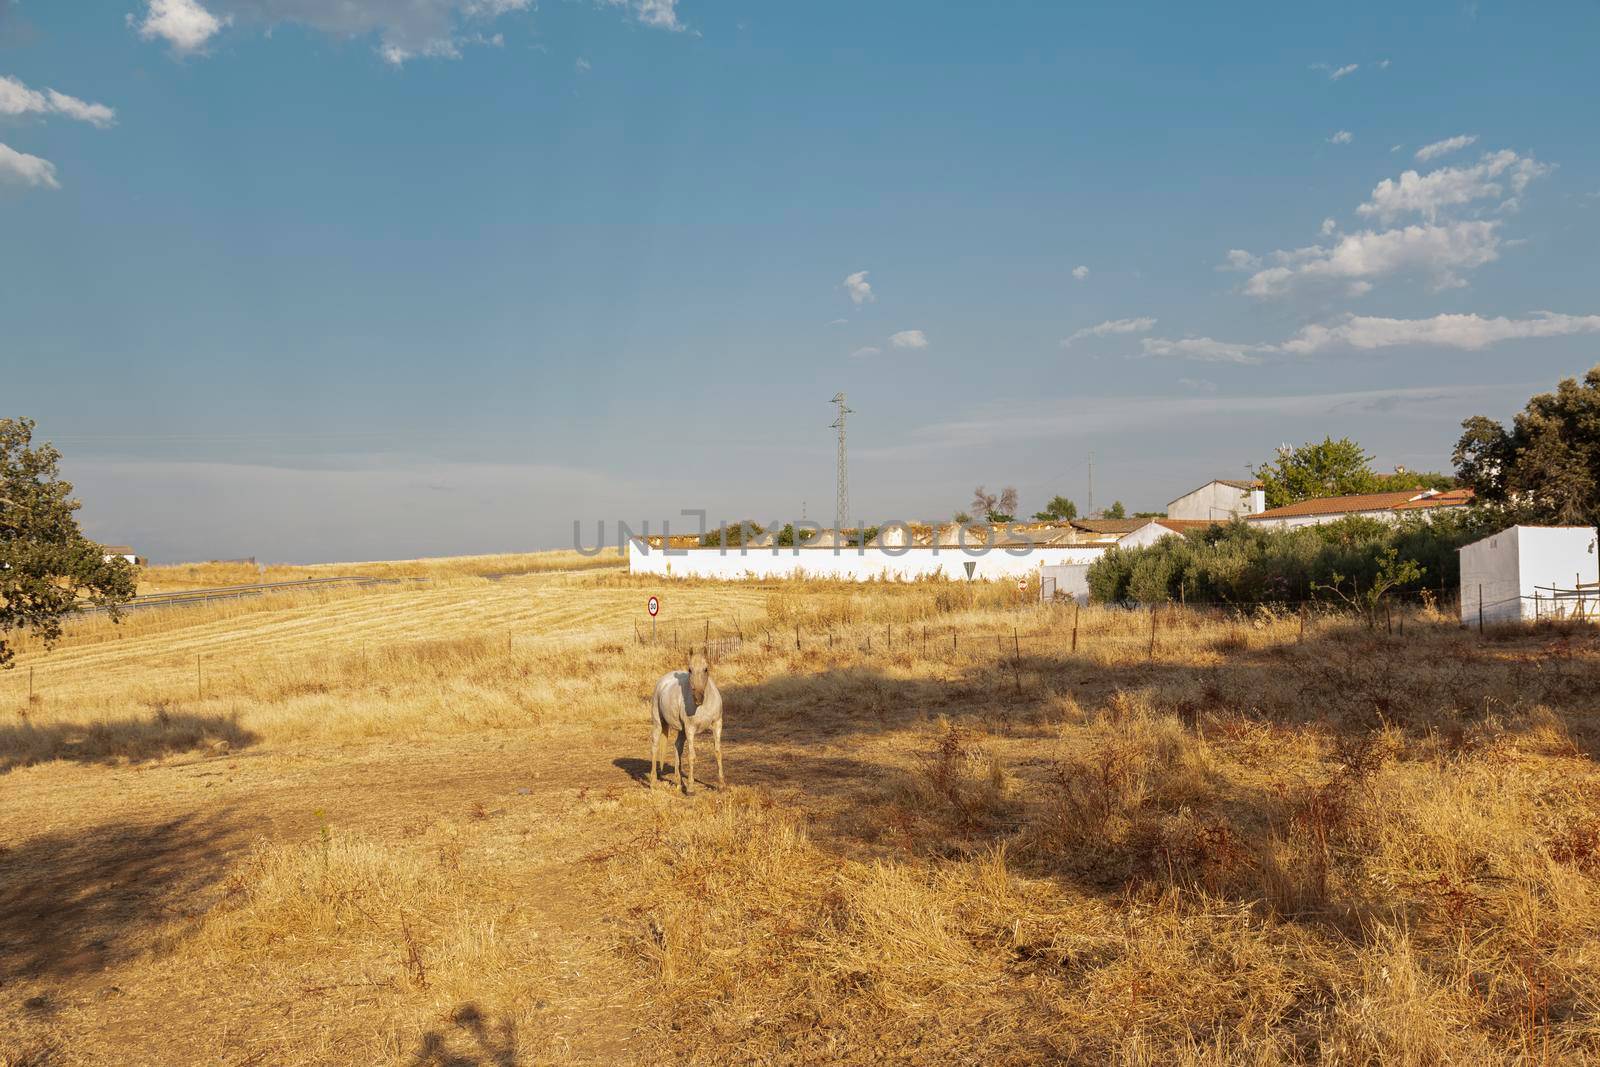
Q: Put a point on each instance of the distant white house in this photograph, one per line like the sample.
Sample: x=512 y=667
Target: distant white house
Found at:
x=1528 y=573
x=1390 y=507
x=124 y=552
x=1219 y=500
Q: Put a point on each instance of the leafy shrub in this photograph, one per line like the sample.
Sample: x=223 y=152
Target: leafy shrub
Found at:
x=1242 y=564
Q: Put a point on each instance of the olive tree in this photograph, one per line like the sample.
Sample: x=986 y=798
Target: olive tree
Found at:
x=47 y=567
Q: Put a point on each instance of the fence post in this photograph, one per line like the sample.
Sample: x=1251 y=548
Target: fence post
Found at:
x=199 y=689
x=1480 y=607
x=1388 y=617
x=796 y=635
x=1076 y=607
x=1152 y=630
x=1302 y=637
x=1016 y=643
x=708 y=631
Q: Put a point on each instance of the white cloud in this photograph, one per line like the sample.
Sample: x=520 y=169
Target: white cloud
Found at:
x=184 y=24
x=1438 y=252
x=29 y=170
x=1469 y=332
x=909 y=339
x=1080 y=272
x=1199 y=385
x=1383 y=64
x=1239 y=259
x=583 y=64
x=869 y=350
x=1204 y=350
x=1335 y=73
x=859 y=288
x=1342 y=137
x=1110 y=328
x=405 y=29
x=17 y=99
x=1445 y=147
x=1367 y=333
x=1429 y=194
x=838 y=322
x=1328 y=226
x=660 y=13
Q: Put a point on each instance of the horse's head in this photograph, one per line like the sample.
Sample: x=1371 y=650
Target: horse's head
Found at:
x=699 y=675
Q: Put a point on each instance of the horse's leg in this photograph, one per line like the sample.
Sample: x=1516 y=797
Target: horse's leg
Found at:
x=716 y=738
x=689 y=729
x=678 y=763
x=655 y=744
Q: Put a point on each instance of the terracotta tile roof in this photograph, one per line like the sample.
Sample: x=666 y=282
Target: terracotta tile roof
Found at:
x=1109 y=526
x=1189 y=524
x=1405 y=500
x=1450 y=498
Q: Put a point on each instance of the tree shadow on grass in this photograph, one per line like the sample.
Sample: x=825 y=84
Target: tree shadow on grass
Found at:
x=164 y=732
x=75 y=902
x=487 y=1045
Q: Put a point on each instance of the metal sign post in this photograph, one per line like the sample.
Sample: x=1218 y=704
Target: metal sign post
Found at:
x=653 y=606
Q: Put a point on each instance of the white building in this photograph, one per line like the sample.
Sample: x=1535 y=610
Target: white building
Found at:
x=1219 y=500
x=1531 y=572
x=123 y=552
x=1388 y=507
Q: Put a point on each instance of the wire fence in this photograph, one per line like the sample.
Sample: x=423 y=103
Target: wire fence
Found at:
x=1061 y=629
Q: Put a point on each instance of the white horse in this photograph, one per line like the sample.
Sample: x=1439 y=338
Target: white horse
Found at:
x=686 y=701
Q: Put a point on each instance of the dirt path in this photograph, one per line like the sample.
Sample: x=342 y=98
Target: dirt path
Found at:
x=100 y=868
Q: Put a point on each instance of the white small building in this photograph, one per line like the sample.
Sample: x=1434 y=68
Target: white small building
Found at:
x=122 y=552
x=1528 y=573
x=1219 y=500
x=1385 y=507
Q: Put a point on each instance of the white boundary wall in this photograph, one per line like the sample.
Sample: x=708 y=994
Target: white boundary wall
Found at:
x=1508 y=566
x=853 y=564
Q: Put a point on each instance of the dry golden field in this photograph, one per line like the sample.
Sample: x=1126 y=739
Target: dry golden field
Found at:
x=408 y=825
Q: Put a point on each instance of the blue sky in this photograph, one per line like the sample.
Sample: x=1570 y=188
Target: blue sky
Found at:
x=442 y=276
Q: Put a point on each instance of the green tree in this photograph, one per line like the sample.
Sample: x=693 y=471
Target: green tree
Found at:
x=1116 y=511
x=1060 y=509
x=46 y=564
x=737 y=534
x=1331 y=468
x=1546 y=468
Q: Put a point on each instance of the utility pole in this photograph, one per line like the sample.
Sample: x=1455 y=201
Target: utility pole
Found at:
x=842 y=506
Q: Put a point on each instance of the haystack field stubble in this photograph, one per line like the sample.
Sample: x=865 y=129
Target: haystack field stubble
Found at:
x=409 y=824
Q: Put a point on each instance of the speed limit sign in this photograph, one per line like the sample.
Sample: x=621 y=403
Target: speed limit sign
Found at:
x=653 y=606
x=1022 y=585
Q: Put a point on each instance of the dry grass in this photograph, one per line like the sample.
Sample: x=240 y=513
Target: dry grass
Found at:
x=405 y=825
x=168 y=578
